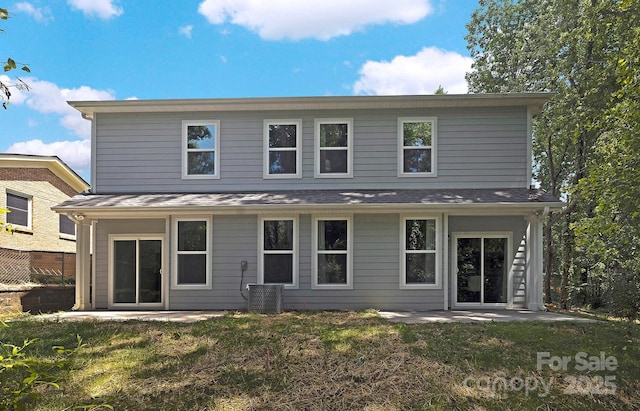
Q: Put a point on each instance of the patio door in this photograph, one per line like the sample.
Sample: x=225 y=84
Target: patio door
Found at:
x=481 y=272
x=136 y=272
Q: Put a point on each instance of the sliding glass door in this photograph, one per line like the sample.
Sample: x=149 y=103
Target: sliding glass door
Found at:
x=481 y=273
x=136 y=278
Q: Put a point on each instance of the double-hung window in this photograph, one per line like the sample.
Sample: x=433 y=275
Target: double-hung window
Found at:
x=333 y=147
x=417 y=147
x=278 y=262
x=192 y=251
x=201 y=149
x=420 y=261
x=282 y=148
x=332 y=248
x=19 y=207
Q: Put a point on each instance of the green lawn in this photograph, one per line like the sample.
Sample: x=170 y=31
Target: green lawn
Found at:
x=337 y=361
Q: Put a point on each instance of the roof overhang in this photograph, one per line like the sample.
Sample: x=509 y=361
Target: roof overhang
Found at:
x=533 y=101
x=467 y=201
x=53 y=163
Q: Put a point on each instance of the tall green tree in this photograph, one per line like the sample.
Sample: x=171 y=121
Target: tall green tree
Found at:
x=610 y=235
x=10 y=64
x=565 y=47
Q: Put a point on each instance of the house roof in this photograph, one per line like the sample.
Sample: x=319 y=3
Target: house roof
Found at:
x=516 y=199
x=53 y=163
x=532 y=100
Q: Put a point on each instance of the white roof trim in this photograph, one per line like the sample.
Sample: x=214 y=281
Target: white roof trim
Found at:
x=531 y=100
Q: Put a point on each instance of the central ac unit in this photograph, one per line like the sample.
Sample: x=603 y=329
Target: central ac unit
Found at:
x=265 y=298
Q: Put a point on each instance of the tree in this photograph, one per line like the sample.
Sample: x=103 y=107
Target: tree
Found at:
x=566 y=47
x=5 y=88
x=440 y=90
x=610 y=235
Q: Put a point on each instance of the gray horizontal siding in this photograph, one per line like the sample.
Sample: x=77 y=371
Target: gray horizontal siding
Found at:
x=376 y=269
x=476 y=148
x=376 y=263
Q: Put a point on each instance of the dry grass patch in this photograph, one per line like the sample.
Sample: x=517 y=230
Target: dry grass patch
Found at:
x=325 y=360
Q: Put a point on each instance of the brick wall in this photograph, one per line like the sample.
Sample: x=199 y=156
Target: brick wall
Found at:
x=38 y=299
x=36 y=174
x=46 y=190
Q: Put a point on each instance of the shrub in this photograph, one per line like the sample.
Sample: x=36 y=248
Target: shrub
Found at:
x=623 y=296
x=23 y=376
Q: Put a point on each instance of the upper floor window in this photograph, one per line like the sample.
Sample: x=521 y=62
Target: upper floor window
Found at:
x=333 y=151
x=282 y=148
x=67 y=226
x=420 y=249
x=417 y=147
x=19 y=207
x=278 y=262
x=332 y=253
x=200 y=149
x=192 y=250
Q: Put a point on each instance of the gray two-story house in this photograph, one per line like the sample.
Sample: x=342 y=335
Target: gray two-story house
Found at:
x=386 y=202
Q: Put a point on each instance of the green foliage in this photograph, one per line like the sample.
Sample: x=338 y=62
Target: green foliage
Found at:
x=4 y=227
x=440 y=90
x=586 y=137
x=24 y=376
x=10 y=64
x=622 y=296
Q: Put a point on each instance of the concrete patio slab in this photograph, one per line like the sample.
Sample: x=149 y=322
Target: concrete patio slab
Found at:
x=410 y=317
x=468 y=316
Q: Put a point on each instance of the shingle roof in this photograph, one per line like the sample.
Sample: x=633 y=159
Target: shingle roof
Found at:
x=311 y=198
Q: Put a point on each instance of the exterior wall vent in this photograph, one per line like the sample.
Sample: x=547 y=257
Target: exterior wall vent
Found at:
x=265 y=298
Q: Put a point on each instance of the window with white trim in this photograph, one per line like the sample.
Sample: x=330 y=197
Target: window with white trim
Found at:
x=201 y=149
x=282 y=148
x=278 y=262
x=19 y=210
x=420 y=261
x=192 y=253
x=333 y=147
x=417 y=147
x=332 y=259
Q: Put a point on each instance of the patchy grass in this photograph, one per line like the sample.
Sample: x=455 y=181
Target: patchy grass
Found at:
x=336 y=360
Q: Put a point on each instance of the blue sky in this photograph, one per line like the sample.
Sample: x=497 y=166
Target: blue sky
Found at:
x=152 y=49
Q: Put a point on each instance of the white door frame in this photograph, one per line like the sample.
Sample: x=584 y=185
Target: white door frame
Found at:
x=137 y=237
x=454 y=268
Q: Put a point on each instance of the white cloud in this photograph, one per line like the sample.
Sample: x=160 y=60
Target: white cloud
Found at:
x=418 y=74
x=48 y=98
x=186 y=30
x=319 y=19
x=103 y=9
x=39 y=14
x=76 y=154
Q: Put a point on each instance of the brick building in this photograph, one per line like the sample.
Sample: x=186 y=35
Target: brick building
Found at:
x=42 y=243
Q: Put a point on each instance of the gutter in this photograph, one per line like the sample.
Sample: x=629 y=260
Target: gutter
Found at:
x=78 y=213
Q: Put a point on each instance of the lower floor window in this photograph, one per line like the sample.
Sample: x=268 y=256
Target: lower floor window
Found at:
x=192 y=268
x=420 y=253
x=279 y=251
x=332 y=252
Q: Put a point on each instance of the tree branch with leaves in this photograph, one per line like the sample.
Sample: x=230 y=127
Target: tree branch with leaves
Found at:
x=9 y=65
